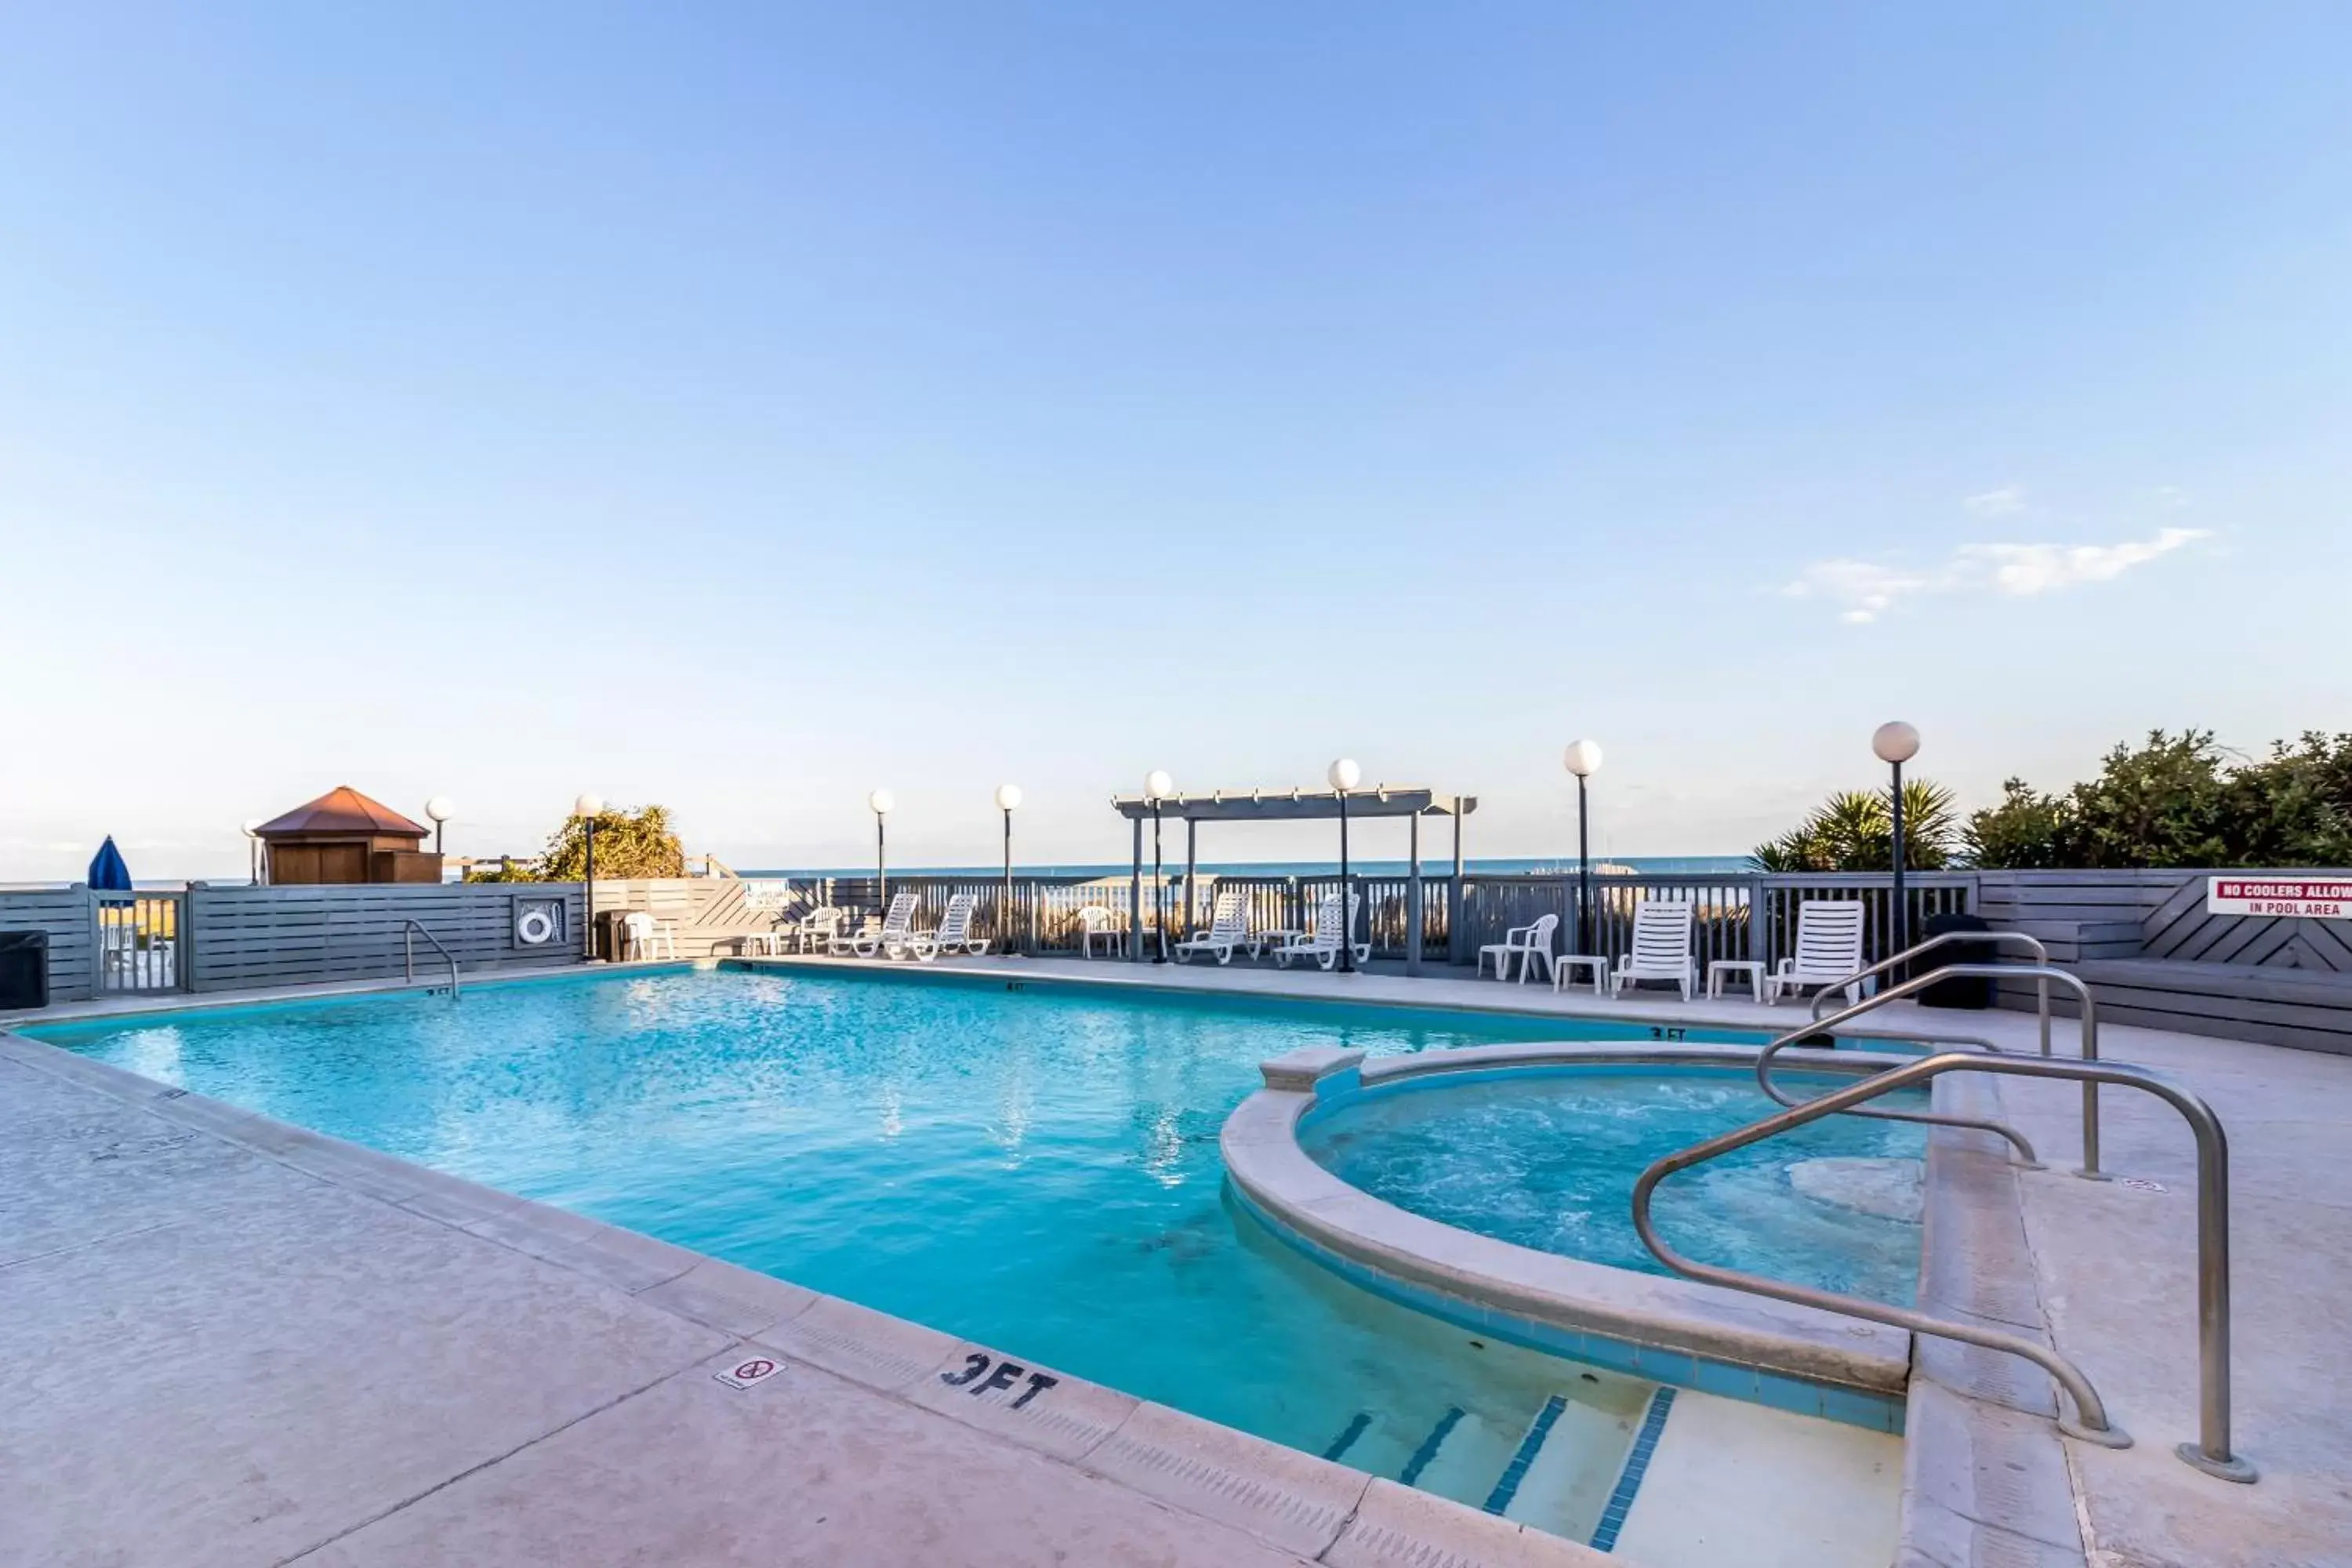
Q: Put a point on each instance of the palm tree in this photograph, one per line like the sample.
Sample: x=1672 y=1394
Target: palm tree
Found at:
x=1853 y=830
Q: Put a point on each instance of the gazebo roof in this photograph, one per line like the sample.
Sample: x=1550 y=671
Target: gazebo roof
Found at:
x=1297 y=805
x=345 y=811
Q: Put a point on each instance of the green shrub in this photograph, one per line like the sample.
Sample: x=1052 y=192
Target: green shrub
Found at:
x=629 y=844
x=2178 y=800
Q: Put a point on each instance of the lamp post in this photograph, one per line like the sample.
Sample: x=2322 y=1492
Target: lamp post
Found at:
x=440 y=810
x=588 y=808
x=1344 y=775
x=1896 y=743
x=253 y=849
x=1008 y=796
x=879 y=802
x=1582 y=758
x=1157 y=786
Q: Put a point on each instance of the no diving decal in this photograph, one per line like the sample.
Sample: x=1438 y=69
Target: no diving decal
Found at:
x=749 y=1370
x=977 y=1379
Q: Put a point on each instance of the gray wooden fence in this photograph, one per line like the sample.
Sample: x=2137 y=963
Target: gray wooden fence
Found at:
x=2143 y=937
x=304 y=936
x=65 y=914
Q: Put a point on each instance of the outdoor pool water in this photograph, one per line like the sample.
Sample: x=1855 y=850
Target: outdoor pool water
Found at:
x=1547 y=1158
x=1035 y=1169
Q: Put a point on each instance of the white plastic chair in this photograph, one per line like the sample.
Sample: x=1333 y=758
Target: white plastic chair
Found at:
x=889 y=938
x=1099 y=924
x=1829 y=949
x=642 y=936
x=953 y=933
x=1531 y=944
x=1662 y=948
x=1228 y=928
x=815 y=931
x=1322 y=943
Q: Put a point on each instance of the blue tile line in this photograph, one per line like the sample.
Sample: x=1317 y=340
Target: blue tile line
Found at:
x=1629 y=1480
x=1347 y=1439
x=1429 y=1445
x=1729 y=1378
x=1529 y=1446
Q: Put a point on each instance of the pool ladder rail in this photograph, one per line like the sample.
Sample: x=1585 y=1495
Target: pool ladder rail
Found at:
x=2212 y=1452
x=410 y=931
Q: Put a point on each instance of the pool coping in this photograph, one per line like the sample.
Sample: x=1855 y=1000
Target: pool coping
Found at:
x=1289 y=1500
x=1670 y=1330
x=1204 y=981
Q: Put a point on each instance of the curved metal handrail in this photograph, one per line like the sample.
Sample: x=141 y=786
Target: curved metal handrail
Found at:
x=1895 y=993
x=410 y=931
x=2031 y=944
x=2211 y=1453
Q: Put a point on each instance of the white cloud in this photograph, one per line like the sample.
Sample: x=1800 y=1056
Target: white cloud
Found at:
x=2039 y=568
x=1867 y=589
x=2006 y=501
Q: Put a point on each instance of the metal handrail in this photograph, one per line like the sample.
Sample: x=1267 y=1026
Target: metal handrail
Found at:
x=410 y=932
x=2211 y=1453
x=2031 y=944
x=1895 y=993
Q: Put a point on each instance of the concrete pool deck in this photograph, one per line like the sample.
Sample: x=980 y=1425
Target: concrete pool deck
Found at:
x=314 y=1353
x=233 y=1341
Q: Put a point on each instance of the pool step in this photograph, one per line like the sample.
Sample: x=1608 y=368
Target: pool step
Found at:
x=1553 y=1469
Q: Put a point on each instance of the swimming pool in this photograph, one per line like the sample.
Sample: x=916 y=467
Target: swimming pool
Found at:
x=1036 y=1169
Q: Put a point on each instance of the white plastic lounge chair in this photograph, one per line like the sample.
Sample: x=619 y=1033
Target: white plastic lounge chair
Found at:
x=1829 y=949
x=642 y=936
x=1097 y=924
x=1322 y=943
x=1228 y=928
x=1662 y=948
x=1530 y=945
x=889 y=938
x=815 y=931
x=953 y=933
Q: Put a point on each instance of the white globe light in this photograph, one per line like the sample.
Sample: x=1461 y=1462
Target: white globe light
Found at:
x=1158 y=785
x=1582 y=758
x=1895 y=742
x=880 y=802
x=440 y=808
x=252 y=828
x=588 y=806
x=1008 y=796
x=1344 y=775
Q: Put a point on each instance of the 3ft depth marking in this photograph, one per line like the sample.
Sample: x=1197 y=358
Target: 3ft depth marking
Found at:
x=976 y=1379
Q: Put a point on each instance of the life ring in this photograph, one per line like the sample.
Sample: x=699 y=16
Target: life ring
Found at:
x=535 y=927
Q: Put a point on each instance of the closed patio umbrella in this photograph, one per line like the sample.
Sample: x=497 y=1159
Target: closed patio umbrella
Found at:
x=108 y=874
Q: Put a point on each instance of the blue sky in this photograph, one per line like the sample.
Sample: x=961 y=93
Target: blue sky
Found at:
x=741 y=407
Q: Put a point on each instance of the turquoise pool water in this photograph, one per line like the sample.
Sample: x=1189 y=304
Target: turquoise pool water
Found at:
x=1037 y=1170
x=1547 y=1158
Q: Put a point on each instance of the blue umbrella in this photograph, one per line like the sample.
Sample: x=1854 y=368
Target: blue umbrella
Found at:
x=108 y=874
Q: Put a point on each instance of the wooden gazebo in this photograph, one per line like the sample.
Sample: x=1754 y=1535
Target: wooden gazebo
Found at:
x=344 y=836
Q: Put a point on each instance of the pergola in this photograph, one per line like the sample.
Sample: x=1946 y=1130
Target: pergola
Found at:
x=1411 y=802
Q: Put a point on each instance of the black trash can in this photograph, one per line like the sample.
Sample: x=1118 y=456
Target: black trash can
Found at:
x=1972 y=991
x=23 y=969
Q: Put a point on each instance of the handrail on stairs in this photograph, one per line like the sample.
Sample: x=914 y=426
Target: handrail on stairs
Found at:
x=410 y=931
x=1885 y=994
x=2032 y=944
x=2212 y=1452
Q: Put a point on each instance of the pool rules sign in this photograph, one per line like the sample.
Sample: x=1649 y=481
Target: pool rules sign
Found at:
x=2278 y=898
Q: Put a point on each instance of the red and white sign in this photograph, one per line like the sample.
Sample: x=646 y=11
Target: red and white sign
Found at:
x=2289 y=899
x=750 y=1370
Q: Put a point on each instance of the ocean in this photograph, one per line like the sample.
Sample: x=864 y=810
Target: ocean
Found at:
x=1650 y=864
